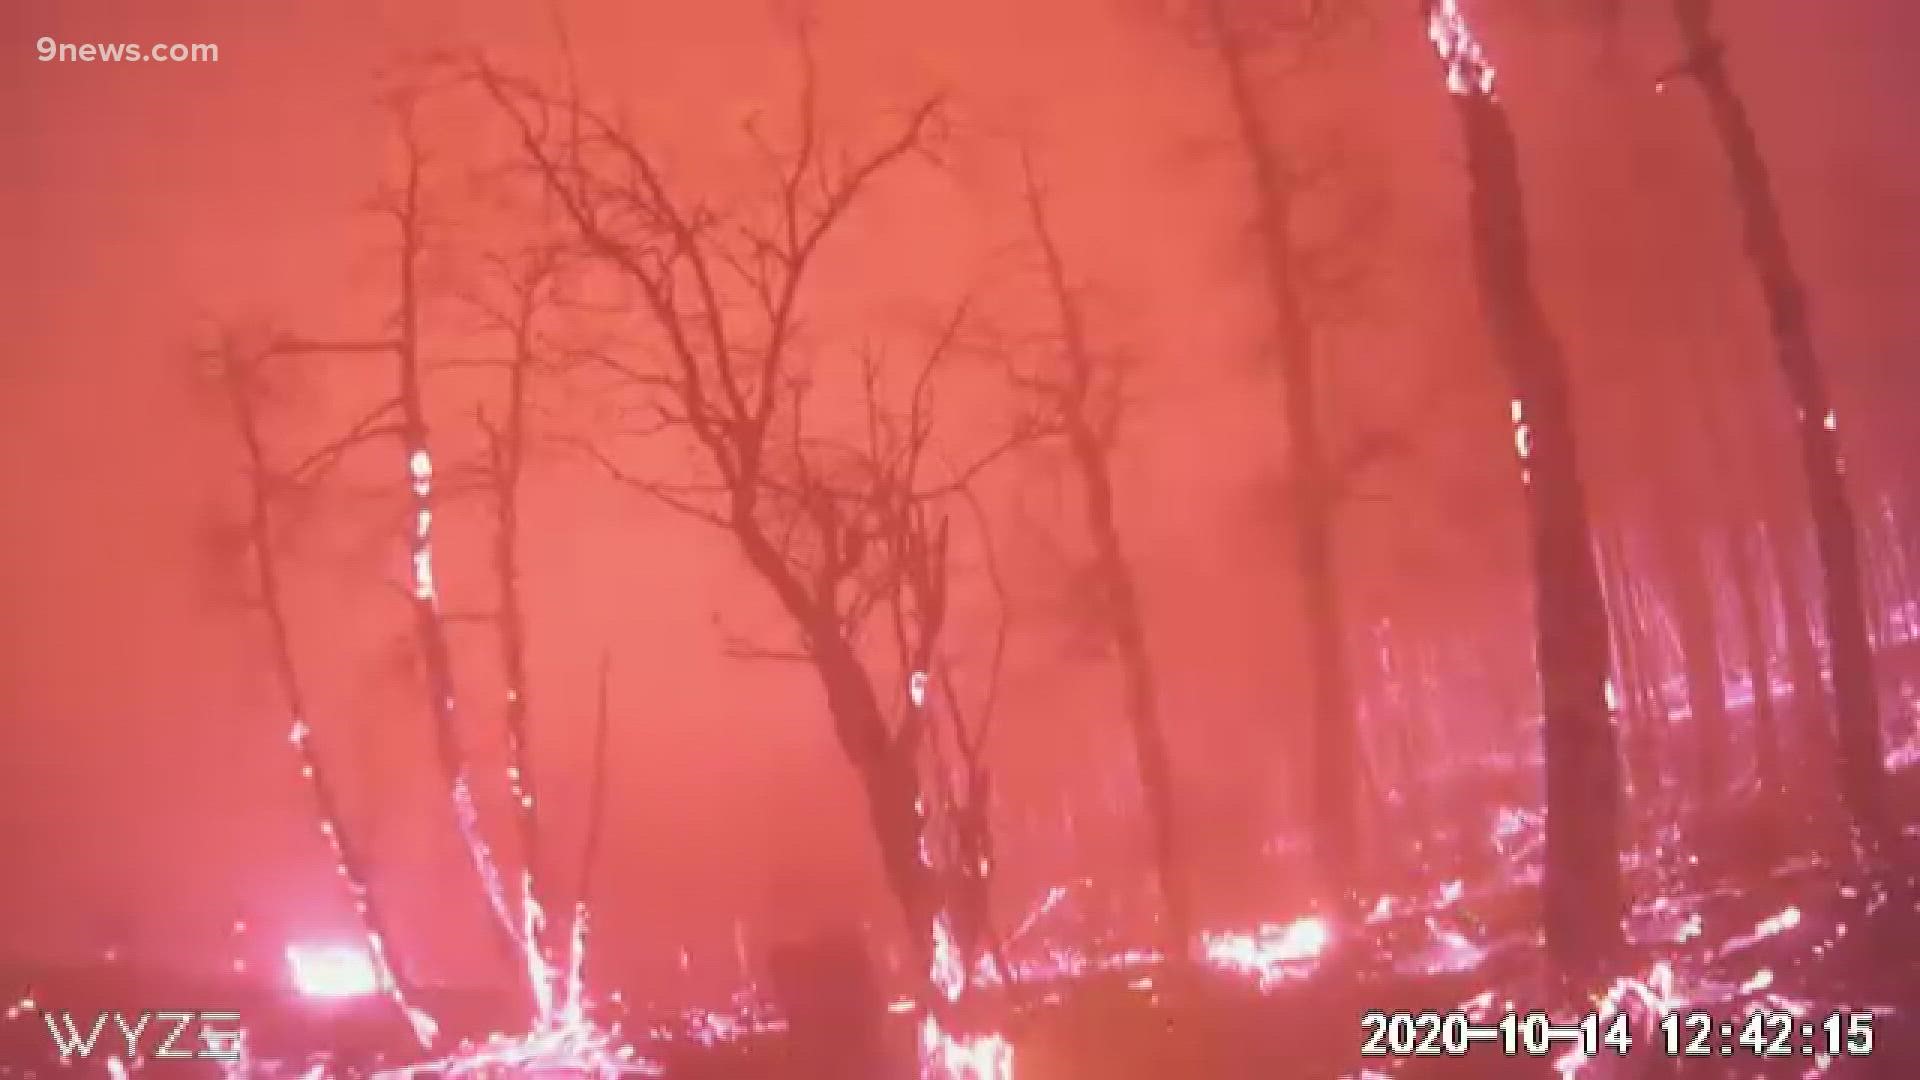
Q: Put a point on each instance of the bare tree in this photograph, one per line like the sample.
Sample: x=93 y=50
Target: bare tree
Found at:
x=243 y=372
x=528 y=284
x=832 y=521
x=1856 y=694
x=402 y=421
x=1582 y=897
x=1312 y=486
x=1083 y=396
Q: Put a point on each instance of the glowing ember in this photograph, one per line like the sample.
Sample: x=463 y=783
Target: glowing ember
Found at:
x=1772 y=925
x=1468 y=70
x=950 y=1057
x=331 y=971
x=1272 y=953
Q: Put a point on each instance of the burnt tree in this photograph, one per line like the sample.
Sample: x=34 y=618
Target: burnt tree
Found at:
x=1335 y=776
x=243 y=373
x=1862 y=779
x=827 y=514
x=1081 y=392
x=401 y=422
x=1581 y=890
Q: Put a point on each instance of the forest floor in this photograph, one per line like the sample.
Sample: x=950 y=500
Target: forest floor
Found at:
x=1724 y=934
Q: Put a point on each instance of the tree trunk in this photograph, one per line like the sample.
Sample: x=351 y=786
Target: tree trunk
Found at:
x=509 y=458
x=1754 y=618
x=430 y=629
x=1581 y=890
x=1855 y=692
x=1697 y=616
x=1121 y=611
x=1150 y=748
x=1638 y=708
x=1335 y=778
x=1812 y=715
x=890 y=779
x=396 y=981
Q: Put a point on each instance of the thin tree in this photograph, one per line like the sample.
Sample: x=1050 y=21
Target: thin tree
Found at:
x=1334 y=778
x=243 y=373
x=1581 y=889
x=1083 y=397
x=1741 y=541
x=527 y=283
x=403 y=420
x=1856 y=694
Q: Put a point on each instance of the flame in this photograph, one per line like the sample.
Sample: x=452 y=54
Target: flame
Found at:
x=331 y=971
x=1468 y=70
x=1272 y=953
x=944 y=1056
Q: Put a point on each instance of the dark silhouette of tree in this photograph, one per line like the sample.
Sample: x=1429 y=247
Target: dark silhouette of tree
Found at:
x=1856 y=694
x=528 y=284
x=243 y=371
x=1738 y=508
x=1581 y=890
x=842 y=522
x=1682 y=535
x=1081 y=391
x=1335 y=777
x=402 y=420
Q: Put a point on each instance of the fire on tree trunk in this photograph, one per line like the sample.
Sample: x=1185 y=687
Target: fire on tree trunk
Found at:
x=1581 y=889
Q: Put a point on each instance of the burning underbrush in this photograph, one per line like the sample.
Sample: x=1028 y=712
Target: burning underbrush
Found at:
x=1795 y=945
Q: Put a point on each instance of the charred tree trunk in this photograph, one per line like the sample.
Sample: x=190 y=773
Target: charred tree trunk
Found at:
x=1088 y=440
x=1638 y=707
x=1581 y=891
x=1856 y=695
x=1750 y=594
x=1697 y=618
x=507 y=462
x=1812 y=716
x=429 y=626
x=885 y=761
x=890 y=779
x=1741 y=564
x=395 y=979
x=1336 y=774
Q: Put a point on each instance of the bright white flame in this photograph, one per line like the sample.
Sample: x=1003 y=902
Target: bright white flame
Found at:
x=423 y=573
x=1468 y=70
x=1786 y=920
x=949 y=969
x=1269 y=952
x=963 y=1057
x=331 y=971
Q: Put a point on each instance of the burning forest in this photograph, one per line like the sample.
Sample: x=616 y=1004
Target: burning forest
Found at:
x=1186 y=538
